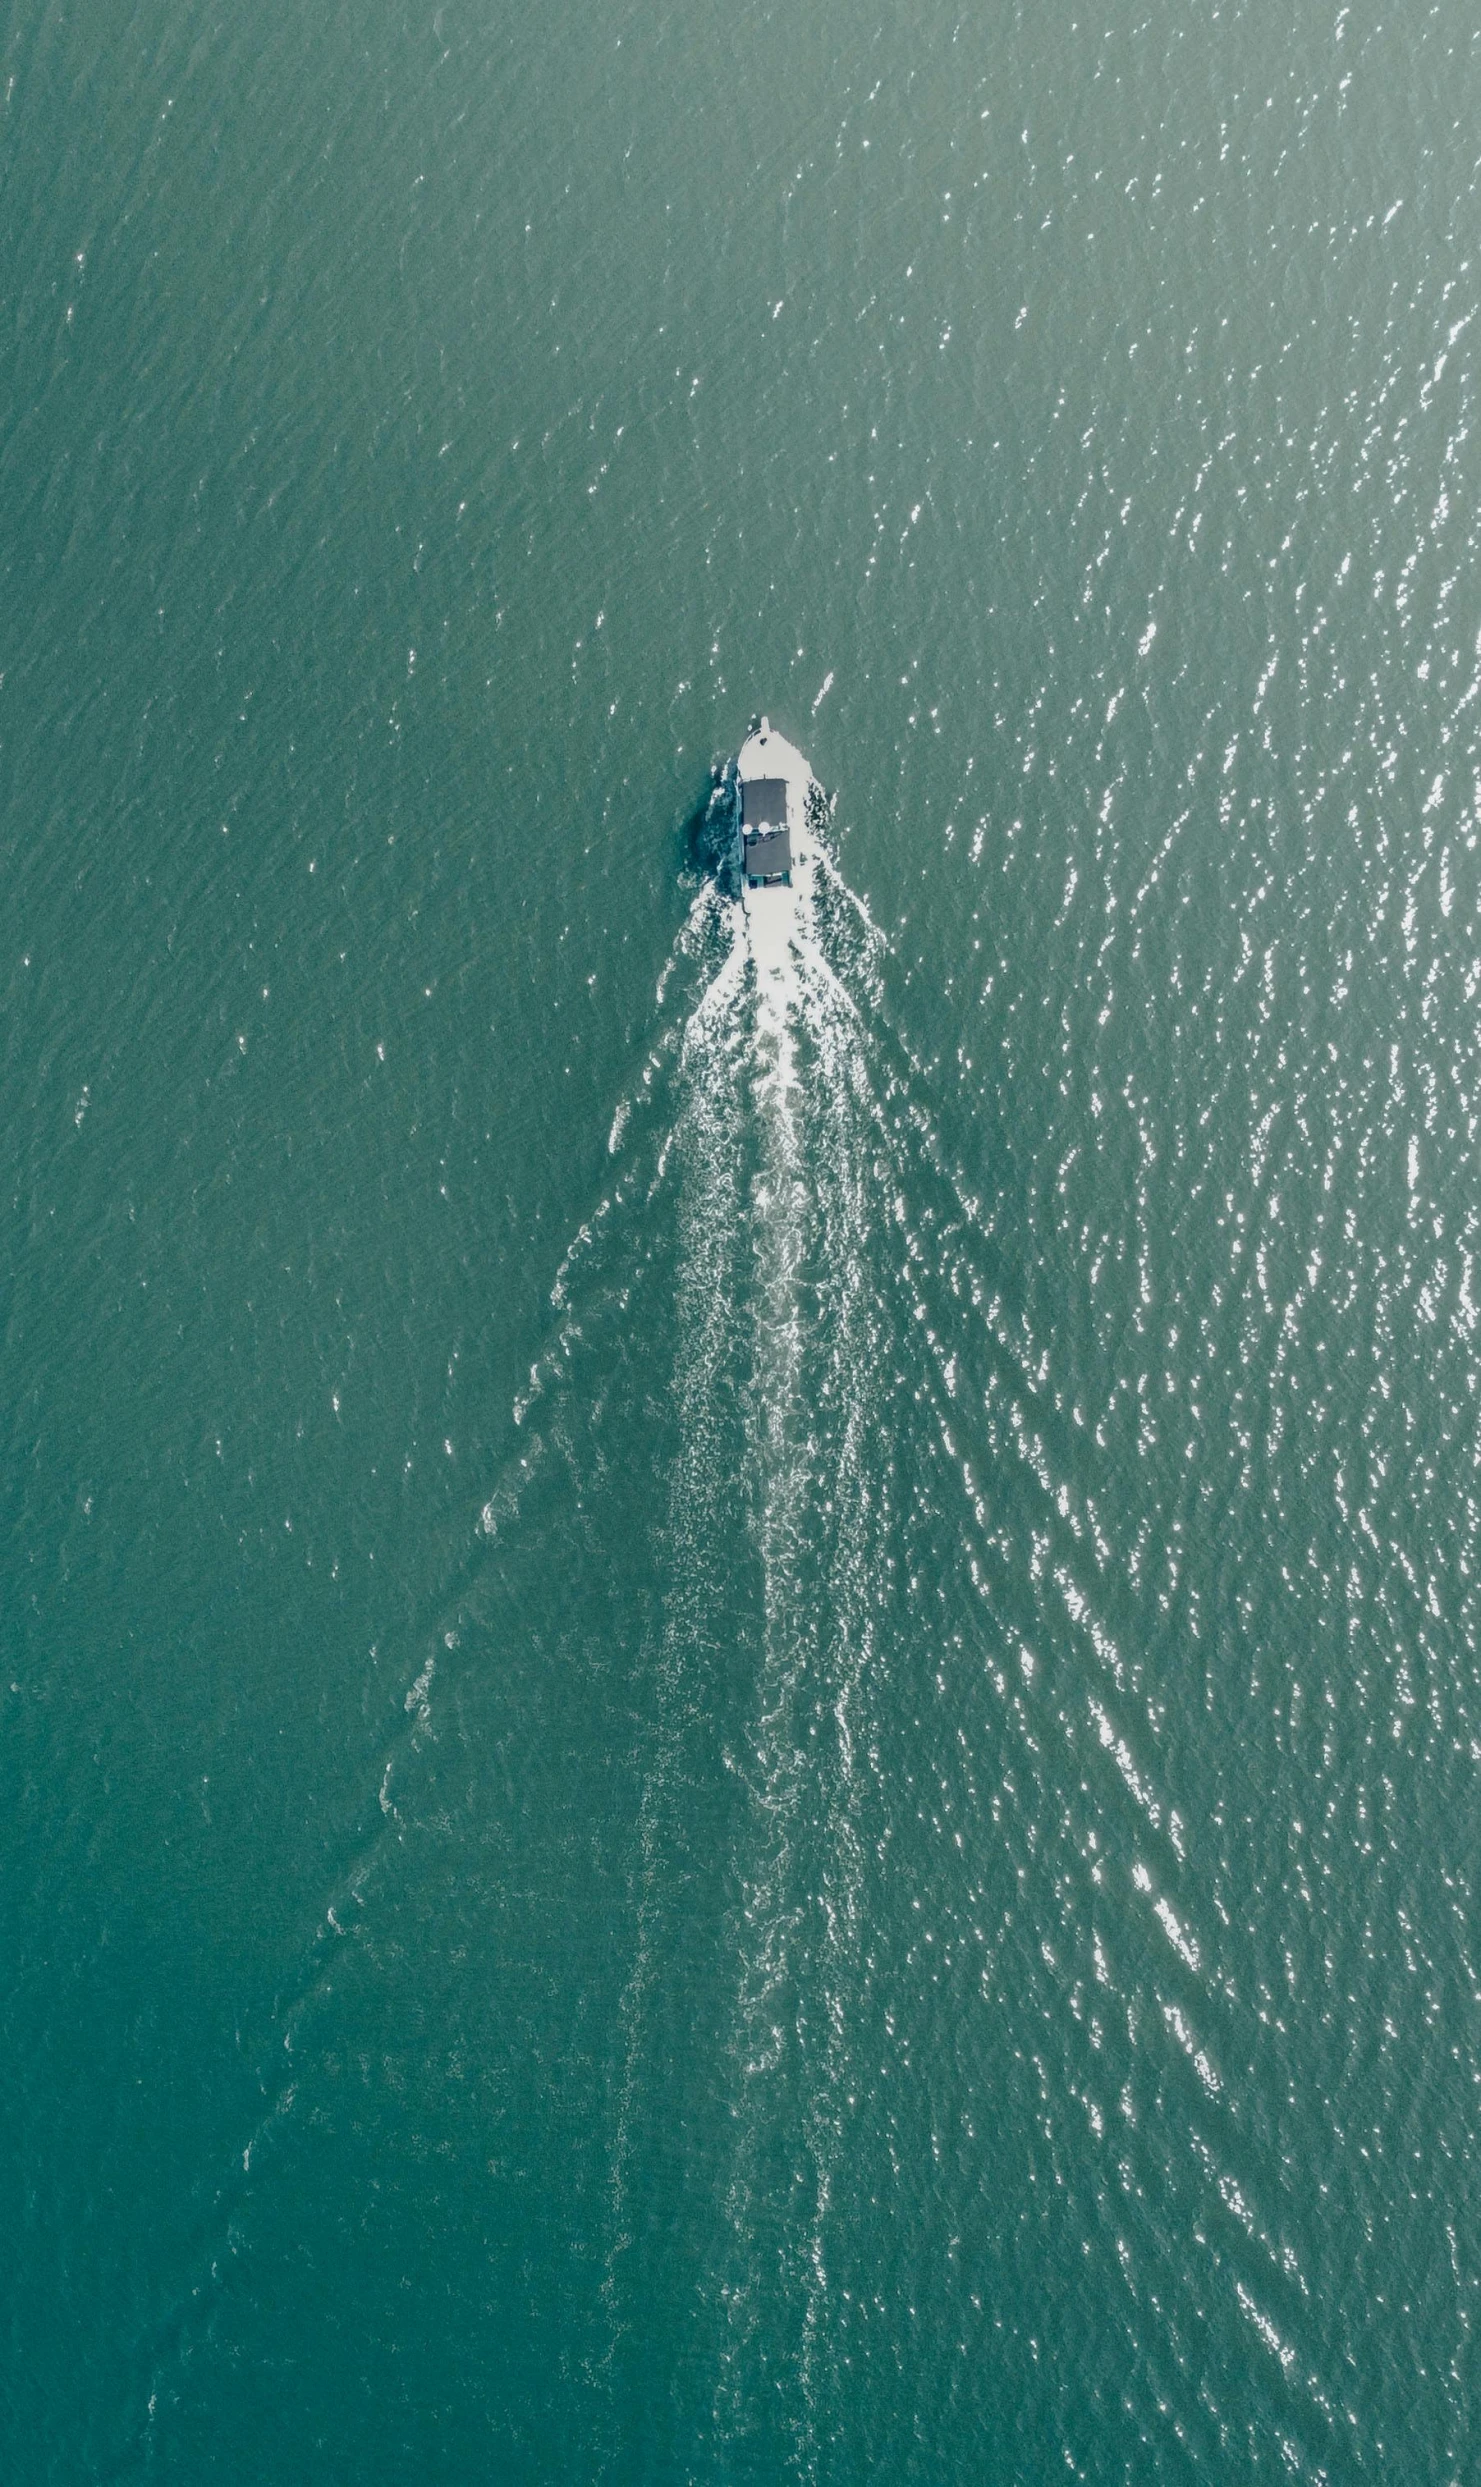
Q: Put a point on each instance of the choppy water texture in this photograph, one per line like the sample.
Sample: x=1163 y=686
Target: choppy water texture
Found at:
x=738 y=1748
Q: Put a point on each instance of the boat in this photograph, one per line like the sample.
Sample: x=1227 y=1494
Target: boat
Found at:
x=776 y=793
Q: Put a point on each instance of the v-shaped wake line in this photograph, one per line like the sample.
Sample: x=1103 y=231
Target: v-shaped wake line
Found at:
x=785 y=1127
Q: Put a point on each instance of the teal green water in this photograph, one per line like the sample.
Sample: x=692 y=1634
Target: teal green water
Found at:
x=708 y=1784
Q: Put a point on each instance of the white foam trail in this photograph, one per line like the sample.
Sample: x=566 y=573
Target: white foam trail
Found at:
x=769 y=1921
x=798 y=1930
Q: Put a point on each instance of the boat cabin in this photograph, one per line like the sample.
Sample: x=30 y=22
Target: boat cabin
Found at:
x=766 y=844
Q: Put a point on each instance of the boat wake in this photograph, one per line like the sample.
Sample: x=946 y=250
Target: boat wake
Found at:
x=891 y=1664
x=920 y=1517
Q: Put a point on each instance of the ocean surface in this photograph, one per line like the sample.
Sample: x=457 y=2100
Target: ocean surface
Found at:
x=739 y=1751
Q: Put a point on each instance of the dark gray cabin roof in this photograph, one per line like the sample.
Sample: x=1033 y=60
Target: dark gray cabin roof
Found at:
x=764 y=803
x=767 y=852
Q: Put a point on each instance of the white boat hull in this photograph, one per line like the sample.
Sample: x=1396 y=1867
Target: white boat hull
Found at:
x=767 y=765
